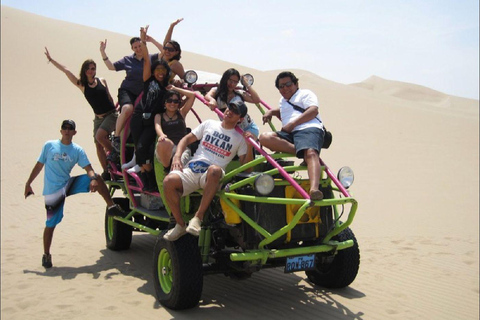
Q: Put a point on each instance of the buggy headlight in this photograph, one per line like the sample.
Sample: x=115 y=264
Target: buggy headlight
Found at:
x=190 y=77
x=264 y=184
x=345 y=176
x=249 y=78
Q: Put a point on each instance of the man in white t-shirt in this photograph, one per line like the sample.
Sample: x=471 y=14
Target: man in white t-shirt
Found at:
x=219 y=143
x=302 y=129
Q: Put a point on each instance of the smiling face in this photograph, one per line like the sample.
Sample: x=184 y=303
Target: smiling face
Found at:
x=169 y=51
x=172 y=103
x=232 y=82
x=137 y=48
x=230 y=118
x=91 y=71
x=160 y=73
x=286 y=87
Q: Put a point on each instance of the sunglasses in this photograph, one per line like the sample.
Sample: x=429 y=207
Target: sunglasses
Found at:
x=176 y=101
x=67 y=128
x=286 y=84
x=170 y=49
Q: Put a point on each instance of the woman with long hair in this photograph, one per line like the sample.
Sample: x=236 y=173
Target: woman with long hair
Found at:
x=96 y=92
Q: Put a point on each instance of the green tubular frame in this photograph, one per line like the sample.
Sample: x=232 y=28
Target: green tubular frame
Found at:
x=263 y=254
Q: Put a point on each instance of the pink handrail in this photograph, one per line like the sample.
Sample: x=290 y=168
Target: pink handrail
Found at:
x=263 y=153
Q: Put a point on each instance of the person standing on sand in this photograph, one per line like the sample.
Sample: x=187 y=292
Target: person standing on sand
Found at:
x=59 y=157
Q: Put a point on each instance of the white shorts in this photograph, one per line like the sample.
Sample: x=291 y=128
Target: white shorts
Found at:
x=192 y=181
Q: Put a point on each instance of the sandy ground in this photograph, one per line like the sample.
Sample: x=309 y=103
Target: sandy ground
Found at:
x=415 y=153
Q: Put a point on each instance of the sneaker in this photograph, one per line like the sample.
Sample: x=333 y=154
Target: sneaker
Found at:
x=114 y=156
x=47 y=261
x=106 y=176
x=175 y=233
x=115 y=210
x=194 y=226
x=135 y=169
x=316 y=195
x=116 y=144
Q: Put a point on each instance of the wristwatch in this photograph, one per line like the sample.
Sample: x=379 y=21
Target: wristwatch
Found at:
x=95 y=176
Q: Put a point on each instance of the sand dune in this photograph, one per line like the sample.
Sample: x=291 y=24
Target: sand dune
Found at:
x=415 y=153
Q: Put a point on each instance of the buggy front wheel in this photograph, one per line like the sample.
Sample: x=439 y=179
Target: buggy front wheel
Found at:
x=177 y=272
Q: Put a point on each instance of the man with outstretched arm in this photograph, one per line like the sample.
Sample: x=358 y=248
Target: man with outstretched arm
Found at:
x=219 y=143
x=59 y=157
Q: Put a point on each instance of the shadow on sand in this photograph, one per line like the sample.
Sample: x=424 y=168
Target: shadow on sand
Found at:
x=274 y=293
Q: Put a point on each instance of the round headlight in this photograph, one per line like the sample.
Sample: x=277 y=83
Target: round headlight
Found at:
x=190 y=77
x=345 y=176
x=249 y=79
x=264 y=184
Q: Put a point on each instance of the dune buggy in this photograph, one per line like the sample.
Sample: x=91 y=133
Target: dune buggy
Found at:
x=259 y=219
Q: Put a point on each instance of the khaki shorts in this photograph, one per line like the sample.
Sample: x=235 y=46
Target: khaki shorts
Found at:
x=192 y=181
x=107 y=123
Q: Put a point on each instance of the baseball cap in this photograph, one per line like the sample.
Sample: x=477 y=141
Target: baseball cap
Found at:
x=238 y=107
x=69 y=122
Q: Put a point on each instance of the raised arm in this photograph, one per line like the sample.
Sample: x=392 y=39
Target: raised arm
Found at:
x=250 y=95
x=156 y=44
x=68 y=73
x=106 y=60
x=146 y=59
x=188 y=103
x=168 y=36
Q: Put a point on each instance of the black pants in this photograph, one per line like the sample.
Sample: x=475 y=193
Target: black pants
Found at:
x=144 y=135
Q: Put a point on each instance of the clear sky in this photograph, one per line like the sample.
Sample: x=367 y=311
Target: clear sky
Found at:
x=434 y=43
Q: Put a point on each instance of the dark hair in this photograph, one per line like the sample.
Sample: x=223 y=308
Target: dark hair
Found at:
x=222 y=90
x=171 y=93
x=167 y=67
x=83 y=77
x=286 y=74
x=133 y=40
x=176 y=46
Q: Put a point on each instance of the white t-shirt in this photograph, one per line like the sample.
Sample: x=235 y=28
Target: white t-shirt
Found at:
x=218 y=145
x=303 y=98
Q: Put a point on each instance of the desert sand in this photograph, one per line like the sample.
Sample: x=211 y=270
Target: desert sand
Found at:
x=415 y=153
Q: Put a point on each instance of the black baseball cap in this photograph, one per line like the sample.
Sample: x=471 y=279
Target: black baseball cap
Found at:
x=238 y=107
x=70 y=123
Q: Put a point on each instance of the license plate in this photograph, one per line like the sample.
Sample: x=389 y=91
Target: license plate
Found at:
x=300 y=263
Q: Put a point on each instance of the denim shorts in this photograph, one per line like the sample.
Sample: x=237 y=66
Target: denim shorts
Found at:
x=308 y=138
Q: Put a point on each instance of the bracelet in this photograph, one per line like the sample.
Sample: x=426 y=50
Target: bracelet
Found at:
x=105 y=59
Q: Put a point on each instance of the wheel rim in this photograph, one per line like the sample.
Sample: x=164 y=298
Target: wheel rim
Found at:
x=164 y=270
x=110 y=228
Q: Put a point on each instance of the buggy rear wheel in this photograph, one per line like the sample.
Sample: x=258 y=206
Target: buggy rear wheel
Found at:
x=118 y=235
x=177 y=272
x=342 y=270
